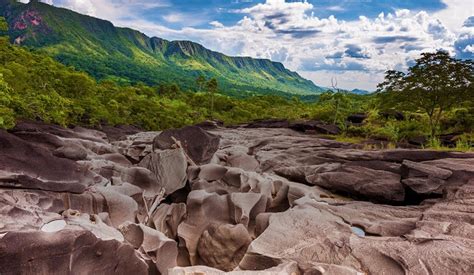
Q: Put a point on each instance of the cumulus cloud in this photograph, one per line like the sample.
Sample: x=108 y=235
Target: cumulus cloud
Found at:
x=289 y=32
x=464 y=45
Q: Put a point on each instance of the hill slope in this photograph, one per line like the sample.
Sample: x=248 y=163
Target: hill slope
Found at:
x=108 y=52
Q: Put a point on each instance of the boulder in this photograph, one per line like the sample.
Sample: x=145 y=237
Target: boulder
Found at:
x=115 y=133
x=223 y=246
x=137 y=146
x=427 y=185
x=26 y=165
x=393 y=114
x=161 y=250
x=167 y=218
x=198 y=144
x=203 y=209
x=212 y=172
x=169 y=167
x=361 y=181
x=121 y=208
x=357 y=118
x=71 y=151
x=66 y=251
x=242 y=161
x=410 y=168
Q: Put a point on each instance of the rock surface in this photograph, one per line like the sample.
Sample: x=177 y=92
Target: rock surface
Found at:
x=251 y=200
x=199 y=145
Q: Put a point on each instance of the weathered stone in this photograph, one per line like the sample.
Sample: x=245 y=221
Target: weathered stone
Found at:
x=346 y=216
x=24 y=165
x=198 y=144
x=212 y=172
x=360 y=181
x=169 y=167
x=167 y=218
x=243 y=161
x=64 y=252
x=424 y=185
x=425 y=170
x=154 y=244
x=223 y=246
x=93 y=223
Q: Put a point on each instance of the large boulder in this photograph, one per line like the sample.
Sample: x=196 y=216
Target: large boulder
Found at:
x=29 y=166
x=167 y=218
x=169 y=167
x=360 y=181
x=198 y=144
x=66 y=251
x=223 y=246
x=161 y=250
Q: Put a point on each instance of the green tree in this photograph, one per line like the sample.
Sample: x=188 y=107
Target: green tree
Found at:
x=338 y=101
x=3 y=25
x=7 y=116
x=434 y=85
x=3 y=30
x=200 y=81
x=212 y=88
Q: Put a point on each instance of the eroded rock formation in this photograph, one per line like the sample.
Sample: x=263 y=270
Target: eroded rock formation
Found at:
x=236 y=201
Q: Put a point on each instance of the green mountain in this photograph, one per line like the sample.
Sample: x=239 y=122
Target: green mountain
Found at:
x=107 y=52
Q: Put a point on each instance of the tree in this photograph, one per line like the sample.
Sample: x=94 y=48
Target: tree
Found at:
x=3 y=30
x=435 y=84
x=7 y=116
x=338 y=101
x=212 y=88
x=200 y=81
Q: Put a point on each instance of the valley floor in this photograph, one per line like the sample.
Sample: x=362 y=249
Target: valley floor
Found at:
x=251 y=201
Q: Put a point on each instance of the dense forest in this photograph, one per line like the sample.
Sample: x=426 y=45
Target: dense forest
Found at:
x=407 y=105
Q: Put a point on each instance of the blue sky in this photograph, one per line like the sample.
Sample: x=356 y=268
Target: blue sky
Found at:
x=200 y=13
x=355 y=41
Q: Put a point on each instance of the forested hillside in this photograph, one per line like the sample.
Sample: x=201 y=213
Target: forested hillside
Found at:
x=128 y=56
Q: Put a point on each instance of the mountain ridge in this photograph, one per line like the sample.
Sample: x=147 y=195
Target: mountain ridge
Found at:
x=126 y=55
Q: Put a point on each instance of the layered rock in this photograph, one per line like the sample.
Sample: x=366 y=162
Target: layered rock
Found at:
x=199 y=145
x=229 y=201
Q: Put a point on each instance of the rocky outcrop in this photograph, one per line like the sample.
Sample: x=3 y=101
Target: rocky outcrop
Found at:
x=198 y=144
x=169 y=167
x=229 y=201
x=65 y=252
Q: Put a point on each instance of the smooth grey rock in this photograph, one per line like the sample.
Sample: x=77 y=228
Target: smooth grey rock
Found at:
x=169 y=167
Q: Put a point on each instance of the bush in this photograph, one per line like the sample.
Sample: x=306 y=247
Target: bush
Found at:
x=7 y=118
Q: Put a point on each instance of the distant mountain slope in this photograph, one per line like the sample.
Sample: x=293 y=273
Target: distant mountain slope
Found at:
x=360 y=92
x=108 y=52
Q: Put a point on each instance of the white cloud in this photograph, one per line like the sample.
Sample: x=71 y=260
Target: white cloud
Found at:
x=82 y=6
x=358 y=52
x=216 y=24
x=174 y=17
x=456 y=13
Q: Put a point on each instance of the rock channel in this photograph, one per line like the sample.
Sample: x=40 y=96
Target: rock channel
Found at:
x=236 y=201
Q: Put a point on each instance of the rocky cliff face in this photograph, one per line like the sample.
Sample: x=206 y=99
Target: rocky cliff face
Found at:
x=244 y=200
x=79 y=40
